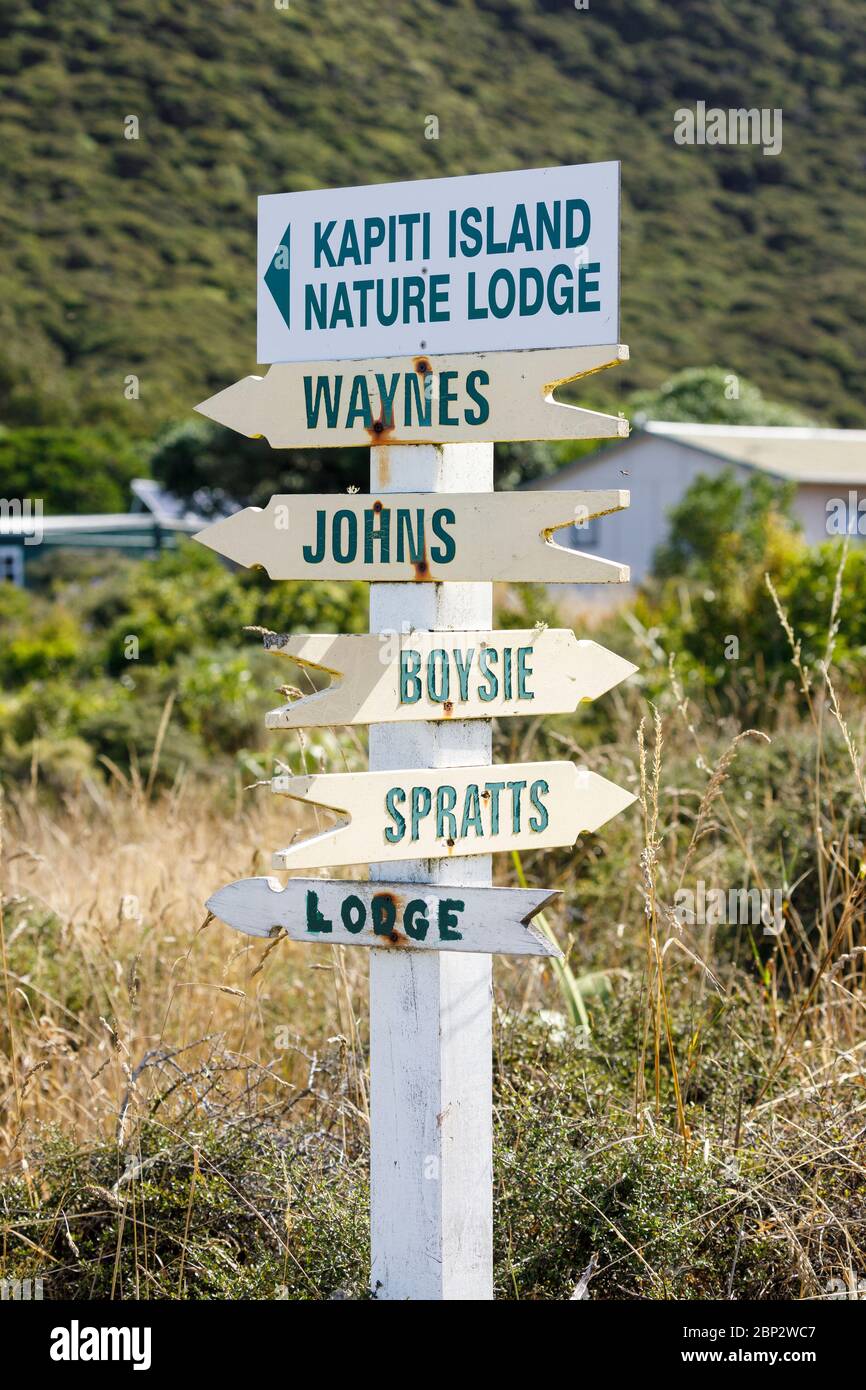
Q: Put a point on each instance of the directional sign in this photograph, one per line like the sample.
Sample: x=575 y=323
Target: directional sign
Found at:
x=380 y=678
x=392 y=916
x=485 y=263
x=436 y=813
x=425 y=537
x=420 y=400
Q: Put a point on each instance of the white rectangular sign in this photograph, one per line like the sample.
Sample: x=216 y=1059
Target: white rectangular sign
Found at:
x=482 y=263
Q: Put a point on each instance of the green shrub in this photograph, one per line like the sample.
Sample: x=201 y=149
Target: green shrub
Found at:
x=70 y=470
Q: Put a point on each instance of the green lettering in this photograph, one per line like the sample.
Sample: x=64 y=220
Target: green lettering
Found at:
x=448 y=909
x=482 y=414
x=384 y=914
x=446 y=821
x=359 y=403
x=323 y=395
x=443 y=554
x=316 y=922
x=446 y=398
x=516 y=789
x=489 y=655
x=472 y=812
x=421 y=803
x=495 y=789
x=415 y=919
x=394 y=834
x=353 y=914
x=380 y=534
x=524 y=671
x=439 y=691
x=536 y=791
x=410 y=683
x=463 y=663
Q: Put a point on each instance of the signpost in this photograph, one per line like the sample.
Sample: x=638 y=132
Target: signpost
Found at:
x=391 y=916
x=428 y=319
x=445 y=675
x=407 y=537
x=411 y=813
x=420 y=400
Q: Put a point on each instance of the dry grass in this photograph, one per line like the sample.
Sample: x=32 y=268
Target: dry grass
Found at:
x=104 y=906
x=704 y=1136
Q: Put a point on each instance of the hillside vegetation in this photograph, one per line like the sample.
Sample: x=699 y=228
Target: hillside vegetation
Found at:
x=136 y=256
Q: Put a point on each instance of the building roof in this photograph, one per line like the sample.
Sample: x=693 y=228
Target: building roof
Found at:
x=113 y=522
x=153 y=511
x=164 y=506
x=803 y=455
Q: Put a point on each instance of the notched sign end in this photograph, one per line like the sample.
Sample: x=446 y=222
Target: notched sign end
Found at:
x=547 y=947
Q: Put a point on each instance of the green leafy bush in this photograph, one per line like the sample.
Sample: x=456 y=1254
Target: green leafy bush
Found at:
x=709 y=598
x=70 y=470
x=92 y=663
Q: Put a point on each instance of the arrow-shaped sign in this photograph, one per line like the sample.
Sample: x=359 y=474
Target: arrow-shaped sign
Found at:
x=383 y=678
x=424 y=813
x=409 y=536
x=395 y=916
x=419 y=400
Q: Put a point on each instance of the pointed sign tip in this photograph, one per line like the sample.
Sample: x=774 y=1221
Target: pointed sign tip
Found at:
x=232 y=407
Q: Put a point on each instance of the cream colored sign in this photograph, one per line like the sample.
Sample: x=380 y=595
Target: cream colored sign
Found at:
x=436 y=813
x=386 y=677
x=419 y=400
x=421 y=537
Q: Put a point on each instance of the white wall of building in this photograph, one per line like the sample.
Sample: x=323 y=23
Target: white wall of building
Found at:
x=657 y=473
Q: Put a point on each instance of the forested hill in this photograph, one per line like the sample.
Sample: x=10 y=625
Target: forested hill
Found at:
x=136 y=256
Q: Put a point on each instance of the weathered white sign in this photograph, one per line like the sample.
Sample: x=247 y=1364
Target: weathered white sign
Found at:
x=420 y=400
x=401 y=537
x=391 y=916
x=482 y=263
x=436 y=813
x=386 y=677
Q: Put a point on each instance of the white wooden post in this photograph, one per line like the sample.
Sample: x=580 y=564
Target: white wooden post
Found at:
x=431 y=1169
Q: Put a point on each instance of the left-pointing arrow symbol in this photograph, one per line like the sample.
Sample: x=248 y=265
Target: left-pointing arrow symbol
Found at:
x=278 y=276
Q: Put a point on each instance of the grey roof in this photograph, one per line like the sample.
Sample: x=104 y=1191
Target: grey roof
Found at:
x=167 y=509
x=803 y=455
